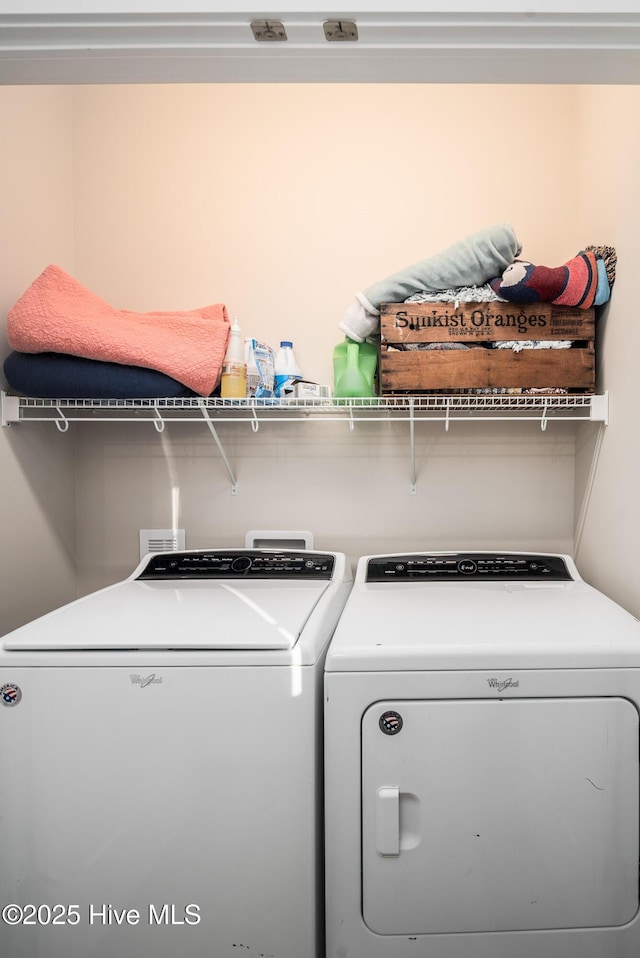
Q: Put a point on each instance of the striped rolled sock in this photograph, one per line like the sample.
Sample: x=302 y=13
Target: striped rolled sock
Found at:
x=573 y=284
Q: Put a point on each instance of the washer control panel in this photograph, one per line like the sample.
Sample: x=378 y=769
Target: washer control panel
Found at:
x=237 y=564
x=479 y=566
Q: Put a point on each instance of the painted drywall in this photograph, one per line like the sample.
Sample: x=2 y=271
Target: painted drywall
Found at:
x=475 y=488
x=282 y=202
x=37 y=464
x=609 y=156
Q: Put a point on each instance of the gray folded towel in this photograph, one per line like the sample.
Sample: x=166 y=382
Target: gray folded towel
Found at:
x=469 y=262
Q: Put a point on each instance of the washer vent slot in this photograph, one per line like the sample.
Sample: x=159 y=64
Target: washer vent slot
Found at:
x=161 y=540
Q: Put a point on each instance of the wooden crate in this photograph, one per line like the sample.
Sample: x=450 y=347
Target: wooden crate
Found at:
x=476 y=325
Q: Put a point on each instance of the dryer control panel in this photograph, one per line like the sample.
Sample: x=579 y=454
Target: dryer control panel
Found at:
x=480 y=566
x=239 y=564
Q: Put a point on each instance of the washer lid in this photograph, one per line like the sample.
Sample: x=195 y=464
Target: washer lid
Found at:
x=147 y=614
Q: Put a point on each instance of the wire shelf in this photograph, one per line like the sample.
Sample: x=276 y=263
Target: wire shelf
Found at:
x=418 y=407
x=212 y=411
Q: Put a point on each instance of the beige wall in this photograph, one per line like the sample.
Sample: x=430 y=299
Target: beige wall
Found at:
x=282 y=202
x=610 y=158
x=37 y=464
x=483 y=486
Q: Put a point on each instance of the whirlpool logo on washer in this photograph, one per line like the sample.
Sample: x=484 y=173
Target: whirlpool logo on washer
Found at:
x=144 y=680
x=499 y=685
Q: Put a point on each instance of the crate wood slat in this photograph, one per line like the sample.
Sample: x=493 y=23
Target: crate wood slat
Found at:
x=477 y=368
x=472 y=324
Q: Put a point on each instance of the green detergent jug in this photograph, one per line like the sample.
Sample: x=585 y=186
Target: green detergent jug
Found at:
x=354 y=369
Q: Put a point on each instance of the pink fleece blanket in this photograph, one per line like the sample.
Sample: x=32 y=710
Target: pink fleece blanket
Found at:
x=57 y=314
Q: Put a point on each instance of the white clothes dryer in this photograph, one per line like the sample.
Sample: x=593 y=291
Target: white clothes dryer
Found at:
x=481 y=761
x=161 y=745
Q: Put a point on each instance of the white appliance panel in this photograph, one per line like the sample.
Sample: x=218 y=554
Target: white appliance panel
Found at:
x=475 y=625
x=505 y=815
x=231 y=614
x=498 y=816
x=120 y=794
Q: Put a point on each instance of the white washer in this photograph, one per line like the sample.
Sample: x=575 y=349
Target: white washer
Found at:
x=161 y=786
x=481 y=762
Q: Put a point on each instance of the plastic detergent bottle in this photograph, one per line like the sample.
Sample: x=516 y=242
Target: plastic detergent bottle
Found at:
x=286 y=369
x=354 y=369
x=253 y=373
x=233 y=384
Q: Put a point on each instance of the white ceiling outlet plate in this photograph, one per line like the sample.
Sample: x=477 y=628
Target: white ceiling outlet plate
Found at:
x=336 y=30
x=269 y=30
x=161 y=540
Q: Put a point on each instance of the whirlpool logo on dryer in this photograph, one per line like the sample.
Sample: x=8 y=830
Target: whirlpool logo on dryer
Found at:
x=499 y=685
x=144 y=680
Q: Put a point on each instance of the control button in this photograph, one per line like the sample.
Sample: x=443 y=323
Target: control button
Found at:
x=467 y=566
x=400 y=567
x=241 y=564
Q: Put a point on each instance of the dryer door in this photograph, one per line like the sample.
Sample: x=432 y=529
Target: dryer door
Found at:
x=499 y=815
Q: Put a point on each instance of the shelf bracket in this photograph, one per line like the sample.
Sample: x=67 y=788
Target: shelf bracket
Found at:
x=212 y=429
x=62 y=424
x=600 y=408
x=158 y=421
x=10 y=409
x=544 y=422
x=412 y=448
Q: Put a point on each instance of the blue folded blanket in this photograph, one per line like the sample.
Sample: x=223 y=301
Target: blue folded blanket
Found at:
x=59 y=376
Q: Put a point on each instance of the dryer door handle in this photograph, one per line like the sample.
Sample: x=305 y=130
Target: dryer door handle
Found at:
x=388 y=820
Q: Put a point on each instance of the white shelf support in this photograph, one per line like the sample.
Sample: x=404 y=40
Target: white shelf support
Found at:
x=600 y=408
x=212 y=430
x=544 y=422
x=158 y=421
x=62 y=423
x=10 y=409
x=412 y=448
